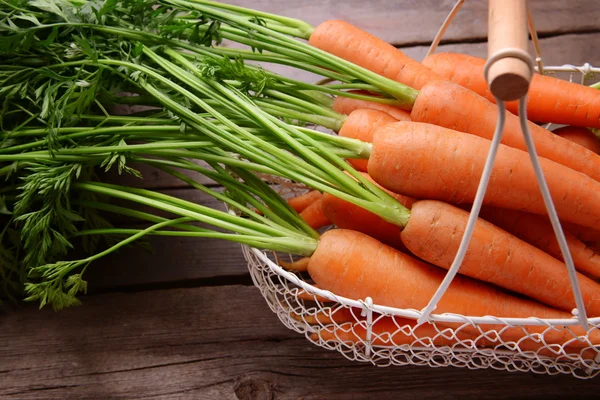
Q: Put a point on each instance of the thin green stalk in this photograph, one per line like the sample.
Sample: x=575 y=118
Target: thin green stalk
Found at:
x=374 y=199
x=403 y=93
x=304 y=29
x=271 y=124
x=269 y=58
x=214 y=131
x=131 y=213
x=279 y=111
x=304 y=247
x=183 y=208
x=315 y=108
x=125 y=242
x=275 y=222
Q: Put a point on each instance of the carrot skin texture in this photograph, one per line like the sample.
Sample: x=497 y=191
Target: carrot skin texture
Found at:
x=346 y=215
x=345 y=105
x=582 y=136
x=434 y=232
x=425 y=161
x=314 y=215
x=370 y=52
x=299 y=203
x=354 y=265
x=386 y=331
x=549 y=99
x=452 y=106
x=361 y=124
x=583 y=233
x=395 y=279
x=397 y=331
x=538 y=231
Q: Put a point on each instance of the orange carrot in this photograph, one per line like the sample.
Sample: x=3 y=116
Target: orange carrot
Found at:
x=299 y=203
x=337 y=315
x=430 y=162
x=582 y=136
x=396 y=331
x=538 y=231
x=297 y=265
x=449 y=105
x=583 y=233
x=387 y=331
x=549 y=99
x=349 y=216
x=354 y=265
x=355 y=45
x=494 y=256
x=314 y=216
x=361 y=124
x=442 y=102
x=345 y=105
x=304 y=295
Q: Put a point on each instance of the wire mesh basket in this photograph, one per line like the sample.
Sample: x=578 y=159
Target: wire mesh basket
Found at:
x=367 y=332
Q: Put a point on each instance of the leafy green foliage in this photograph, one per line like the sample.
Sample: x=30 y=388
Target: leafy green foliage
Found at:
x=43 y=210
x=253 y=80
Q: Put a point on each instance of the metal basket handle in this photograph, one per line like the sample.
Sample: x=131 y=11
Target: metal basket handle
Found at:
x=508 y=71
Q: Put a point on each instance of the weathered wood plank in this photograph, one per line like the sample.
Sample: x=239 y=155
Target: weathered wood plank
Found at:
x=559 y=50
x=217 y=343
x=406 y=22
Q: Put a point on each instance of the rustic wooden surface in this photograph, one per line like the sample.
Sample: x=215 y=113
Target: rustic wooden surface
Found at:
x=184 y=321
x=217 y=343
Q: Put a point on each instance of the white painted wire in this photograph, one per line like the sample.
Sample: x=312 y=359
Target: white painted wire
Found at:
x=449 y=18
x=562 y=241
x=276 y=283
x=473 y=217
x=483 y=183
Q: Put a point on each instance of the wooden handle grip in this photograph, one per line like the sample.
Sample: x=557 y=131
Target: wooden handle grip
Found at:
x=508 y=77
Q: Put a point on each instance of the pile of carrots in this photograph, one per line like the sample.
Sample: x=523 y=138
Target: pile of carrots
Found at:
x=430 y=158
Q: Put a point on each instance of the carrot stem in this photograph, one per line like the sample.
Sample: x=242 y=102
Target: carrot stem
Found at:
x=280 y=43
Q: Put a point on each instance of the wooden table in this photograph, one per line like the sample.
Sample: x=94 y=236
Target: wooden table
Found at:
x=186 y=322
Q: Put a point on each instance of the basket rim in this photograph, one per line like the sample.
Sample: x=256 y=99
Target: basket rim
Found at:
x=368 y=305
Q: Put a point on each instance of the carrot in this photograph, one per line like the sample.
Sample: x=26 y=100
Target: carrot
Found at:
x=449 y=105
x=396 y=331
x=387 y=331
x=345 y=105
x=442 y=102
x=361 y=48
x=494 y=256
x=314 y=216
x=361 y=124
x=549 y=99
x=349 y=216
x=304 y=295
x=354 y=265
x=583 y=233
x=299 y=203
x=538 y=231
x=582 y=136
x=338 y=315
x=297 y=265
x=430 y=162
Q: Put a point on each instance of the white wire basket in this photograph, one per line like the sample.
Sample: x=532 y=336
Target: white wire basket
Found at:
x=384 y=336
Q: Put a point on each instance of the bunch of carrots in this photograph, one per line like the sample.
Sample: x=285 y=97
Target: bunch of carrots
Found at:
x=396 y=180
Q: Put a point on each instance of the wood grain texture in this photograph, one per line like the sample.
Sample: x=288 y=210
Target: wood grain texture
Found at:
x=406 y=22
x=565 y=49
x=217 y=343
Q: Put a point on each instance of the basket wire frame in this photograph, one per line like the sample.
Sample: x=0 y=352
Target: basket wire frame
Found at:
x=384 y=336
